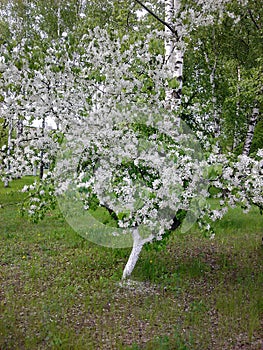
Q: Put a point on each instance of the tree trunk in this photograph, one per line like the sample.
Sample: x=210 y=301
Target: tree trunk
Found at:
x=250 y=133
x=174 y=50
x=41 y=166
x=211 y=61
x=20 y=128
x=173 y=54
x=41 y=163
x=34 y=170
x=217 y=129
x=212 y=64
x=235 y=136
x=81 y=6
x=138 y=243
x=9 y=148
x=59 y=20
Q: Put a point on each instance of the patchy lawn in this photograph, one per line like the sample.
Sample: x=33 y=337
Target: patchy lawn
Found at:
x=59 y=291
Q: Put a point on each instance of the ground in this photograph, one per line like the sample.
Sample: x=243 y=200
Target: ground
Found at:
x=59 y=291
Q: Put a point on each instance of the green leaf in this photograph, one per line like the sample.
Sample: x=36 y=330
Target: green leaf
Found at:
x=173 y=83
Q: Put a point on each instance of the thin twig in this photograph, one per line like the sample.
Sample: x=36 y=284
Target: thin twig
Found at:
x=159 y=19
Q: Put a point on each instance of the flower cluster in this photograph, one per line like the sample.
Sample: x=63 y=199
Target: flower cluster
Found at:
x=119 y=146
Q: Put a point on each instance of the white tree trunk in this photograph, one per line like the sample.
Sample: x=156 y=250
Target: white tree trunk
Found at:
x=34 y=170
x=81 y=6
x=9 y=148
x=173 y=53
x=217 y=129
x=41 y=163
x=235 y=136
x=250 y=133
x=59 y=20
x=138 y=243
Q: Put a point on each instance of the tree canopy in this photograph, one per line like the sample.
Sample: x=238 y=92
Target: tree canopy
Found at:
x=155 y=111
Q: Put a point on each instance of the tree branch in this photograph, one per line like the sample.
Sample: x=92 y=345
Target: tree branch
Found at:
x=253 y=19
x=159 y=19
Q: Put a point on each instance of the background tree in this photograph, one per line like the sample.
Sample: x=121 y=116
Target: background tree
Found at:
x=234 y=45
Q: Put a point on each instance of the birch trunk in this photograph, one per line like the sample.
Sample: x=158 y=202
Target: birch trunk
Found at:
x=35 y=170
x=217 y=129
x=235 y=136
x=9 y=148
x=173 y=54
x=59 y=20
x=19 y=134
x=81 y=6
x=138 y=243
x=41 y=163
x=250 y=132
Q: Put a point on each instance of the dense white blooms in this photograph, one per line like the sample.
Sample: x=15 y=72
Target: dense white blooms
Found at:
x=116 y=144
x=104 y=105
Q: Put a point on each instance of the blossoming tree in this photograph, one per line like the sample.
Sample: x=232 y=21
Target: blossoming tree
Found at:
x=118 y=146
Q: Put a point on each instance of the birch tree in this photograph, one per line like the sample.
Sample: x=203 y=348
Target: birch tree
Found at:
x=251 y=129
x=174 y=48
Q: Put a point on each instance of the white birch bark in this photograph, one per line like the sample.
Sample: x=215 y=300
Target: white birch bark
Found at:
x=34 y=170
x=212 y=64
x=217 y=128
x=9 y=148
x=250 y=132
x=235 y=136
x=59 y=20
x=173 y=53
x=41 y=164
x=81 y=7
x=138 y=243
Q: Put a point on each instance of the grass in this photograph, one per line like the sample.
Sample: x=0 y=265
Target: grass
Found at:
x=59 y=291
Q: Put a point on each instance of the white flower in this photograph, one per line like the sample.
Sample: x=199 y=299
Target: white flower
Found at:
x=25 y=188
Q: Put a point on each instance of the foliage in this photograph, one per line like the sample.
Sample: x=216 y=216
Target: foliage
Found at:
x=107 y=91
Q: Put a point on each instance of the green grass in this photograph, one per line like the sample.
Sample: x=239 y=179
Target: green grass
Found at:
x=59 y=291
